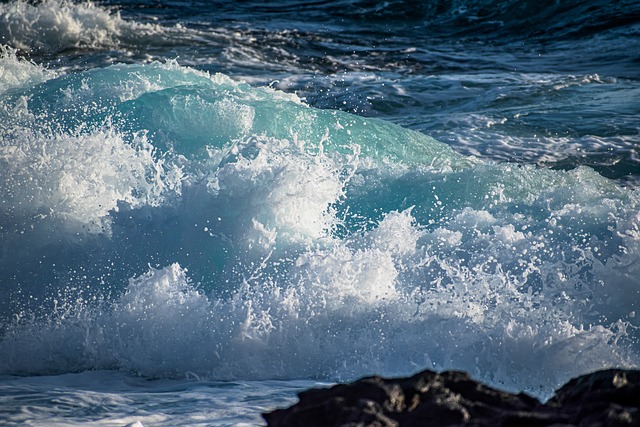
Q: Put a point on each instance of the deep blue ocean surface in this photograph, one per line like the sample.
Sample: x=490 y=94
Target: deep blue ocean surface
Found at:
x=206 y=206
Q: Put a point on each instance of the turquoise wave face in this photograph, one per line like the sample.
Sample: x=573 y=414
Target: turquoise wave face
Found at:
x=146 y=209
x=188 y=112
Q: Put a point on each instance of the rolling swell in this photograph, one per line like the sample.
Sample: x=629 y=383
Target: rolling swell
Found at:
x=151 y=208
x=509 y=20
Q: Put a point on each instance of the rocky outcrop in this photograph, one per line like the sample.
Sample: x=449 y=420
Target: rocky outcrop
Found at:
x=604 y=398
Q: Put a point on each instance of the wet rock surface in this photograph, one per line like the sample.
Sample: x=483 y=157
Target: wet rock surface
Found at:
x=604 y=398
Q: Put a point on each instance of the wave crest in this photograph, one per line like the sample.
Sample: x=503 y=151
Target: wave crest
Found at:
x=55 y=25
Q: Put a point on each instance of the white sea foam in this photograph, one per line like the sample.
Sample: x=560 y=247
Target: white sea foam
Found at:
x=343 y=248
x=112 y=398
x=390 y=301
x=281 y=192
x=78 y=179
x=55 y=25
x=20 y=73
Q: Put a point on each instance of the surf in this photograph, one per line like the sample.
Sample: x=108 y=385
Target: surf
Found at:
x=151 y=208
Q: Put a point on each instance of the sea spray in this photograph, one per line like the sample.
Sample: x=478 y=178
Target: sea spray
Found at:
x=53 y=26
x=149 y=209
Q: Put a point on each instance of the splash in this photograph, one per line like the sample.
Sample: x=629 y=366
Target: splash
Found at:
x=55 y=25
x=170 y=209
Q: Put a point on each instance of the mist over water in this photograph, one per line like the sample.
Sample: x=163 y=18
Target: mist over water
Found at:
x=374 y=189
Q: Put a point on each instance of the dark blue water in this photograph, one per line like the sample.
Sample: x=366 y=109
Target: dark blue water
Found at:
x=198 y=197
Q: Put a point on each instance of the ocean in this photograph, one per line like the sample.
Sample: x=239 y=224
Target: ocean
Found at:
x=208 y=206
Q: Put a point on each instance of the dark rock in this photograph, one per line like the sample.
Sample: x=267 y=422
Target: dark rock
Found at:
x=608 y=398
x=605 y=398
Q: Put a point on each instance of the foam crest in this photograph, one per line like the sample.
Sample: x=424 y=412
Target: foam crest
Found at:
x=78 y=179
x=159 y=316
x=283 y=192
x=18 y=73
x=363 y=271
x=55 y=25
